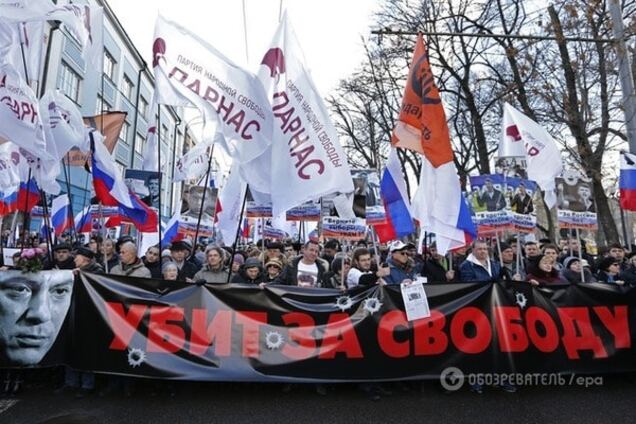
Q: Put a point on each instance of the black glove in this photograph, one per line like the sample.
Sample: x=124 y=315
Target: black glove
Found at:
x=200 y=282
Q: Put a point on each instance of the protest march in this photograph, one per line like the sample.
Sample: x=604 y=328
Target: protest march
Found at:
x=293 y=261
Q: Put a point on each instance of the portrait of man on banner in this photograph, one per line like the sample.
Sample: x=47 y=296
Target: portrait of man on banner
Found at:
x=33 y=307
x=490 y=193
x=145 y=184
x=193 y=201
x=574 y=193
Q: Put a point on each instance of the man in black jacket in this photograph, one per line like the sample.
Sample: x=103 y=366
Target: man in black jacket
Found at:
x=180 y=251
x=305 y=271
x=62 y=258
x=436 y=268
x=85 y=261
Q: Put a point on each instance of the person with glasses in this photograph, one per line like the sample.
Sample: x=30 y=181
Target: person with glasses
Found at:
x=400 y=264
x=336 y=278
x=608 y=271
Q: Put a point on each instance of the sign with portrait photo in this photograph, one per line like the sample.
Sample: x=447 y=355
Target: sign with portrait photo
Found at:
x=575 y=201
x=194 y=202
x=145 y=184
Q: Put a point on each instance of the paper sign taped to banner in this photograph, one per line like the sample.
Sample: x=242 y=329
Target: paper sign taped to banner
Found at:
x=415 y=301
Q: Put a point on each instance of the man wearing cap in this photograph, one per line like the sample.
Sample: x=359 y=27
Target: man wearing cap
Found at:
x=306 y=270
x=62 y=258
x=400 y=264
x=85 y=261
x=510 y=269
x=478 y=267
x=180 y=250
x=130 y=265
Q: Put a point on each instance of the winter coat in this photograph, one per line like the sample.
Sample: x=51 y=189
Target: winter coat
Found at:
x=242 y=278
x=541 y=276
x=434 y=271
x=289 y=275
x=471 y=270
x=67 y=264
x=188 y=270
x=136 y=269
x=212 y=276
x=93 y=267
x=629 y=276
x=604 y=277
x=574 y=277
x=399 y=273
x=153 y=267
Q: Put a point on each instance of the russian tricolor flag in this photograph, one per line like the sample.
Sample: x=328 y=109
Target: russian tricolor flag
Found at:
x=111 y=190
x=399 y=222
x=8 y=202
x=28 y=196
x=84 y=221
x=627 y=181
x=61 y=216
x=171 y=232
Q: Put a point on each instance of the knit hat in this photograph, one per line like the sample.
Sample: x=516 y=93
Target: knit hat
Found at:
x=252 y=263
x=239 y=259
x=567 y=262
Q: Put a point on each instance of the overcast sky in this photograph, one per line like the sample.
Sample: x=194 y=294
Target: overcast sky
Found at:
x=329 y=31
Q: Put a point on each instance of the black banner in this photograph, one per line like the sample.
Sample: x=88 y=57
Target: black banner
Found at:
x=165 y=329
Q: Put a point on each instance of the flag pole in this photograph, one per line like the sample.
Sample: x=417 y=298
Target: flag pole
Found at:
x=49 y=239
x=160 y=182
x=578 y=238
x=238 y=229
x=518 y=252
x=26 y=204
x=205 y=190
x=499 y=248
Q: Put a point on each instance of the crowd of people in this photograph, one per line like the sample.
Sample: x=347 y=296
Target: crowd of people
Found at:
x=334 y=266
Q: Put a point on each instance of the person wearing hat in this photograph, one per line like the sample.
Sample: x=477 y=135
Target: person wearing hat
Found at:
x=609 y=269
x=214 y=271
x=180 y=250
x=85 y=261
x=478 y=267
x=572 y=271
x=237 y=260
x=251 y=272
x=400 y=264
x=274 y=250
x=541 y=271
x=273 y=269
x=510 y=269
x=62 y=258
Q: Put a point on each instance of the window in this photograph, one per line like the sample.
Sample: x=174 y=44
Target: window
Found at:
x=109 y=65
x=69 y=83
x=143 y=107
x=139 y=143
x=102 y=105
x=164 y=134
x=123 y=134
x=127 y=88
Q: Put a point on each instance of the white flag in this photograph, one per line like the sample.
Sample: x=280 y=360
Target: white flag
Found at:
x=77 y=18
x=9 y=175
x=151 y=148
x=20 y=119
x=541 y=152
x=190 y=71
x=195 y=162
x=27 y=36
x=230 y=203
x=511 y=144
x=63 y=124
x=306 y=158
